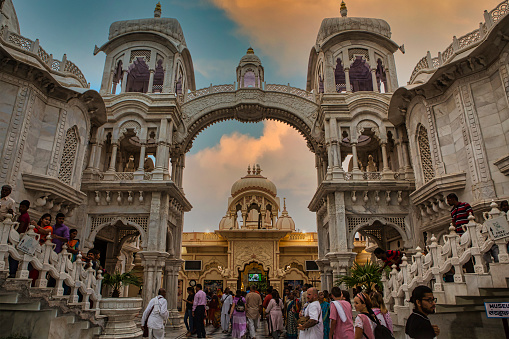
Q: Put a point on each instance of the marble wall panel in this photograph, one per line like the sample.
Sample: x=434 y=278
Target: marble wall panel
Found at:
x=45 y=143
x=8 y=96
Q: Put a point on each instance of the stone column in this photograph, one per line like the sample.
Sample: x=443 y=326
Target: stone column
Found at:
x=356 y=172
x=151 y=81
x=113 y=157
x=329 y=279
x=386 y=171
x=139 y=174
x=124 y=81
x=172 y=271
x=337 y=170
x=373 y=77
x=161 y=156
x=153 y=263
x=330 y=156
x=347 y=80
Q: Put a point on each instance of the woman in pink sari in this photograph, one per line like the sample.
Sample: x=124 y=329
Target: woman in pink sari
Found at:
x=275 y=309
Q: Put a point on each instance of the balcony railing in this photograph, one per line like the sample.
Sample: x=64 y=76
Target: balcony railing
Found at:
x=65 y=66
x=370 y=176
x=25 y=248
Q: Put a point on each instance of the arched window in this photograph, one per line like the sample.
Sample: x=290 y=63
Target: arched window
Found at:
x=249 y=79
x=157 y=86
x=117 y=78
x=425 y=154
x=138 y=76
x=68 y=156
x=360 y=75
x=179 y=80
x=339 y=76
x=381 y=77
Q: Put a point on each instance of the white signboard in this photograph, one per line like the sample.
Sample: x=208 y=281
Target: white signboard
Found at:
x=498 y=227
x=497 y=310
x=28 y=245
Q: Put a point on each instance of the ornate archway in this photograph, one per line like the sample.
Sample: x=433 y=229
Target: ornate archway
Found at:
x=377 y=228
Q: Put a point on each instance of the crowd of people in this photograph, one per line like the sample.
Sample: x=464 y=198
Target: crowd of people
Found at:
x=303 y=313
x=59 y=232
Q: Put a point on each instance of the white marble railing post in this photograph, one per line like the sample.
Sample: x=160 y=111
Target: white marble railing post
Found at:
x=435 y=268
x=454 y=242
x=475 y=250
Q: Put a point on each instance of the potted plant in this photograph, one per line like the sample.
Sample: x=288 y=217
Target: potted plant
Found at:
x=118 y=280
x=366 y=276
x=121 y=312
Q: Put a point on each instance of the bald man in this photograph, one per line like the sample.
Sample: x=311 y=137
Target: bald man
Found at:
x=155 y=315
x=312 y=328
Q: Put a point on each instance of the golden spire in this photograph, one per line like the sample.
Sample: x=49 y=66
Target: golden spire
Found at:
x=250 y=50
x=342 y=9
x=157 y=10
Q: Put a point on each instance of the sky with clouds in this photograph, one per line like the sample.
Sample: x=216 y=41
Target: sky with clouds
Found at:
x=218 y=33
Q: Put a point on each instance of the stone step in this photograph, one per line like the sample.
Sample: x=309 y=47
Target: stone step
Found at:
x=9 y=298
x=21 y=306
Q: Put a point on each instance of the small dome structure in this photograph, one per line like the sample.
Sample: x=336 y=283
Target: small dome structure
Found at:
x=332 y=26
x=285 y=222
x=254 y=181
x=250 y=71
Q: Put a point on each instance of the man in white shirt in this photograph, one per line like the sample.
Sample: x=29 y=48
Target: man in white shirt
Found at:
x=313 y=328
x=7 y=203
x=155 y=315
x=227 y=300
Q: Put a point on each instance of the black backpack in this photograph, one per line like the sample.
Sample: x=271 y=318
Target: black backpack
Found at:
x=380 y=332
x=240 y=306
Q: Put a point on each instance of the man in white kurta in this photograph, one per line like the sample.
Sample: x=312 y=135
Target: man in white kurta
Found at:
x=158 y=310
x=227 y=300
x=313 y=328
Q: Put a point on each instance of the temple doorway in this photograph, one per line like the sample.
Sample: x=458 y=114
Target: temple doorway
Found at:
x=253 y=274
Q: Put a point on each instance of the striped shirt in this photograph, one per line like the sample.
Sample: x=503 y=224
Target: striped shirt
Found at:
x=393 y=258
x=459 y=215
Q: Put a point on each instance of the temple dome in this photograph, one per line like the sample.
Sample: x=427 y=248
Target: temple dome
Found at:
x=254 y=181
x=168 y=27
x=250 y=58
x=285 y=222
x=333 y=26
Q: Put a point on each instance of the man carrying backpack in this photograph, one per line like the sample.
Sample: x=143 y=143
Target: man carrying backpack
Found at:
x=155 y=316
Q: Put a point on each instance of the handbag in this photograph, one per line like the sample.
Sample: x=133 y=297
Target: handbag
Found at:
x=381 y=332
x=145 y=327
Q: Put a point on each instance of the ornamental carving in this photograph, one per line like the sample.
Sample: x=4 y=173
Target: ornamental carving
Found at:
x=246 y=251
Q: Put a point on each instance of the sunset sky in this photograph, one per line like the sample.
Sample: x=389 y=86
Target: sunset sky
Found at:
x=218 y=33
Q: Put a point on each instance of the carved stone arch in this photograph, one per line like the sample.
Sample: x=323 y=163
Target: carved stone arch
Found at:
x=297 y=272
x=113 y=222
x=354 y=52
x=368 y=124
x=210 y=270
x=268 y=200
x=127 y=125
x=362 y=227
x=241 y=264
x=126 y=238
x=251 y=105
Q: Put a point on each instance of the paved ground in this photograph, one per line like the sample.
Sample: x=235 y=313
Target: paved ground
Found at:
x=212 y=332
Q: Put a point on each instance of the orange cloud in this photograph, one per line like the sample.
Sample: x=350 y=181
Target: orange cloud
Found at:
x=284 y=158
x=285 y=30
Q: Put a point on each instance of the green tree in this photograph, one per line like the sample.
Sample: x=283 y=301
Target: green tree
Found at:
x=117 y=280
x=366 y=276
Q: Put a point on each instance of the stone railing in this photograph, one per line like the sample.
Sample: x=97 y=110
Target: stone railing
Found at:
x=66 y=67
x=124 y=176
x=464 y=42
x=229 y=88
x=366 y=176
x=455 y=252
x=50 y=264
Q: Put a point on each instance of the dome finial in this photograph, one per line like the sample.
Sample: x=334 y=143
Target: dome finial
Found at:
x=284 y=204
x=248 y=169
x=343 y=10
x=258 y=169
x=250 y=50
x=157 y=11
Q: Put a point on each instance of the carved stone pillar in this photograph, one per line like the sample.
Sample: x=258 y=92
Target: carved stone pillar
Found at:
x=356 y=172
x=347 y=80
x=375 y=82
x=151 y=81
x=113 y=160
x=172 y=270
x=124 y=82
x=153 y=263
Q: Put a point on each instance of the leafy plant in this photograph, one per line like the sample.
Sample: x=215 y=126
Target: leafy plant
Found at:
x=366 y=276
x=117 y=281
